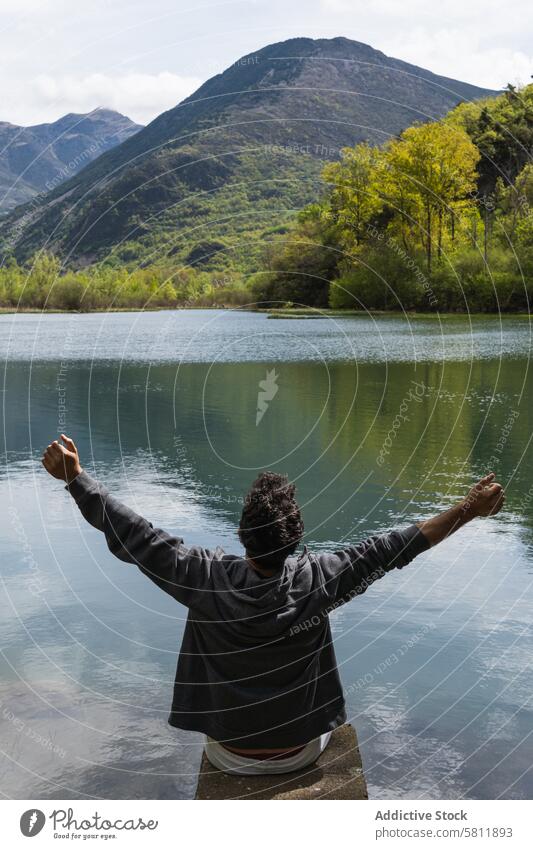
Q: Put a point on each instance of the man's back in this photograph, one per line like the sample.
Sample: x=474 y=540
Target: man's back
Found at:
x=257 y=667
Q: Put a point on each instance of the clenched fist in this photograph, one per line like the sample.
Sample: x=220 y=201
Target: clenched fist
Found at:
x=62 y=461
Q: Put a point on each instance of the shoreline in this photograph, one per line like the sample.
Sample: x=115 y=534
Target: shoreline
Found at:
x=275 y=313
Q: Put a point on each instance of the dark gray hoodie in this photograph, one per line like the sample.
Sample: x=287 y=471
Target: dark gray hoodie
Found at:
x=257 y=667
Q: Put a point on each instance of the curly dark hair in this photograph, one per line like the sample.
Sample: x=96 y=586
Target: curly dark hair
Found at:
x=271 y=526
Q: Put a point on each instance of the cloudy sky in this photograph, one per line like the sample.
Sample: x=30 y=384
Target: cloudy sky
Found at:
x=144 y=57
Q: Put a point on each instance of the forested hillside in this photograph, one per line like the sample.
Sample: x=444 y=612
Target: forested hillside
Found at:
x=438 y=219
x=205 y=183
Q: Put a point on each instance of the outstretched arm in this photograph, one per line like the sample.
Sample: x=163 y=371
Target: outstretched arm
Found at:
x=486 y=498
x=182 y=572
x=352 y=570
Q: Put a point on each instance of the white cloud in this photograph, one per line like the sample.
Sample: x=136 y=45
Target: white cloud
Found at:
x=21 y=7
x=144 y=57
x=471 y=40
x=458 y=54
x=140 y=96
x=483 y=12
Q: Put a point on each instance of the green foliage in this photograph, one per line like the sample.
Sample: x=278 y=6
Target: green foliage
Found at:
x=202 y=252
x=384 y=278
x=354 y=198
x=42 y=284
x=407 y=226
x=302 y=264
x=438 y=218
x=427 y=177
x=502 y=130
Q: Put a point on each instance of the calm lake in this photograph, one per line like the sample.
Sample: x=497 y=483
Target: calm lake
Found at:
x=380 y=423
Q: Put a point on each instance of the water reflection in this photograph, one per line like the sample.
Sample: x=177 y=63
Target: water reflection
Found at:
x=435 y=660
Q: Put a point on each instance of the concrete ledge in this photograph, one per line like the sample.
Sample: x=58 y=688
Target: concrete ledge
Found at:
x=337 y=774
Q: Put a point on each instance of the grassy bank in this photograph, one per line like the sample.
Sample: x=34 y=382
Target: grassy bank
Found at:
x=305 y=313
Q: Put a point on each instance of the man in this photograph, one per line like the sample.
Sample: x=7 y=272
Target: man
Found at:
x=257 y=672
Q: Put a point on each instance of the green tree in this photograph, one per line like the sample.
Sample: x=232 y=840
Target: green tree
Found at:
x=42 y=274
x=431 y=171
x=354 y=198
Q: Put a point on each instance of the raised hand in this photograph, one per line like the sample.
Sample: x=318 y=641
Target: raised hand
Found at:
x=62 y=461
x=486 y=498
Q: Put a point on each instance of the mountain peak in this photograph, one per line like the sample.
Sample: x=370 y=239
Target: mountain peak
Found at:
x=248 y=144
x=98 y=115
x=37 y=158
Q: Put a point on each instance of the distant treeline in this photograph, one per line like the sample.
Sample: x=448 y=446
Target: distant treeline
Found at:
x=438 y=219
x=43 y=284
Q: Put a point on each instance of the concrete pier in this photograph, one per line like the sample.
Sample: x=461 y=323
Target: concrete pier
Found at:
x=337 y=774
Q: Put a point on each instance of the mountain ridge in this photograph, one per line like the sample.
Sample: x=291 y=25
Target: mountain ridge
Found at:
x=38 y=157
x=212 y=157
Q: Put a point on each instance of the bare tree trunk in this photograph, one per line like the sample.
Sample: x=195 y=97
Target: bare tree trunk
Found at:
x=485 y=234
x=428 y=246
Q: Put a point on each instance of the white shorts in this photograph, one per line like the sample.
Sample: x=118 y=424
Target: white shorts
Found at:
x=230 y=762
